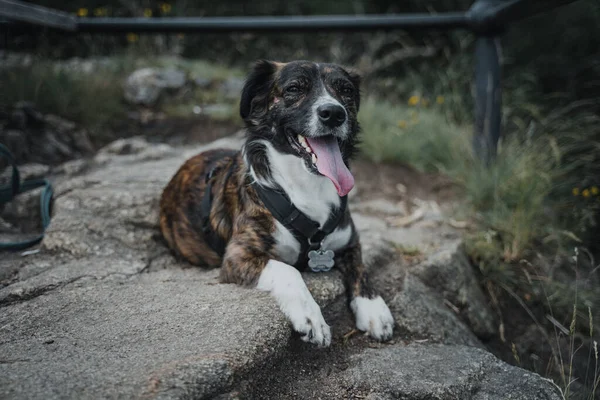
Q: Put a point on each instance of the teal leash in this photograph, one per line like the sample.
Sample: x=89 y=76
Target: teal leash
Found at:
x=16 y=187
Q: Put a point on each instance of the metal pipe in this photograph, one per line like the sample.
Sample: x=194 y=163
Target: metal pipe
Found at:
x=488 y=97
x=34 y=14
x=283 y=24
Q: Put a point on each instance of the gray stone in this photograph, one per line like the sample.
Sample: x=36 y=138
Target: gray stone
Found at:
x=24 y=211
x=232 y=88
x=26 y=171
x=443 y=373
x=42 y=139
x=448 y=272
x=165 y=335
x=421 y=314
x=105 y=311
x=146 y=85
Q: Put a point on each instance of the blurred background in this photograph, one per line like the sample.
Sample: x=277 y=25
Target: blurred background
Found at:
x=531 y=219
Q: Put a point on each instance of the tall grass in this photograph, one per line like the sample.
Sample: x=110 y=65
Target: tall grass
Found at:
x=93 y=100
x=525 y=213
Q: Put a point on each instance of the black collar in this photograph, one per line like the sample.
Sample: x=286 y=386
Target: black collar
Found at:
x=306 y=231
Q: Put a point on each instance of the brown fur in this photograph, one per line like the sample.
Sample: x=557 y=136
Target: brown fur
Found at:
x=237 y=214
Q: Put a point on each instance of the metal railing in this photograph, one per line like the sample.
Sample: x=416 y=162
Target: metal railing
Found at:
x=486 y=18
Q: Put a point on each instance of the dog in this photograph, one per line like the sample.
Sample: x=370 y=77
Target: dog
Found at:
x=278 y=206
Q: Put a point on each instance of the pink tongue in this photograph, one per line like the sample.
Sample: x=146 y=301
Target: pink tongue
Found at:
x=330 y=163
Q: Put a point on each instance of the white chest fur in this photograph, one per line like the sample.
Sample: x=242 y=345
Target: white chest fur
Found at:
x=312 y=194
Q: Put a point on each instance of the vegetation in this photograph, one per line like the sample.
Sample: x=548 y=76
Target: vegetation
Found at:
x=527 y=211
x=91 y=99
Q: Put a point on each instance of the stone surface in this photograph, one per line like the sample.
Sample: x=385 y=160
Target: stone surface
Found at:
x=146 y=85
x=445 y=272
x=442 y=373
x=42 y=139
x=104 y=309
x=420 y=314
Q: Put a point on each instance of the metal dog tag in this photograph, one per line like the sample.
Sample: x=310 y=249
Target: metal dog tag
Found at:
x=320 y=260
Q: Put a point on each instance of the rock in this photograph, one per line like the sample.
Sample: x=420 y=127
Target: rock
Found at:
x=203 y=83
x=42 y=139
x=448 y=272
x=104 y=310
x=146 y=85
x=443 y=373
x=26 y=171
x=382 y=206
x=232 y=88
x=24 y=211
x=420 y=313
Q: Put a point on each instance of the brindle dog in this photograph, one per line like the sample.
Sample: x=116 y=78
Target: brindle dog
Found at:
x=301 y=120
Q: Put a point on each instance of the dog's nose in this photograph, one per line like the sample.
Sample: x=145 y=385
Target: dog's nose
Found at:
x=332 y=115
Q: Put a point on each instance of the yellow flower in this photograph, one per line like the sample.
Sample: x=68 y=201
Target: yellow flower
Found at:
x=132 y=37
x=402 y=124
x=413 y=100
x=147 y=13
x=425 y=102
x=82 y=12
x=165 y=8
x=595 y=190
x=586 y=193
x=100 y=12
x=575 y=191
x=440 y=99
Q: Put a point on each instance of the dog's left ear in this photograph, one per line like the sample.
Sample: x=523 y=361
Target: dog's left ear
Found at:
x=355 y=78
x=255 y=95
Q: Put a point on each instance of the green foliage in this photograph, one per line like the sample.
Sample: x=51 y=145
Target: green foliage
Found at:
x=93 y=100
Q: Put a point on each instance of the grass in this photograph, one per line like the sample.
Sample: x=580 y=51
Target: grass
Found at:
x=524 y=215
x=93 y=100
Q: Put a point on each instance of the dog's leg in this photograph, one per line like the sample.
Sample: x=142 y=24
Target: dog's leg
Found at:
x=244 y=265
x=372 y=314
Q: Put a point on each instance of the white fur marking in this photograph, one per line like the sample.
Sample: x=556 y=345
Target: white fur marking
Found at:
x=373 y=316
x=286 y=285
x=312 y=194
x=315 y=128
x=287 y=247
x=338 y=238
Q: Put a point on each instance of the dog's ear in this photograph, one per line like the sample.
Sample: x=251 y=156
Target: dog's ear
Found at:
x=355 y=78
x=255 y=94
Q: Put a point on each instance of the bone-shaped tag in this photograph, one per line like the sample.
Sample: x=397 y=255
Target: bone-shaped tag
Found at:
x=320 y=260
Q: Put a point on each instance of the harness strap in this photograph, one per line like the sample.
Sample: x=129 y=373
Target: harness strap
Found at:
x=306 y=231
x=16 y=187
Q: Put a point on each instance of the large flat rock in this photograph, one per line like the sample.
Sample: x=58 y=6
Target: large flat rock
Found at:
x=104 y=310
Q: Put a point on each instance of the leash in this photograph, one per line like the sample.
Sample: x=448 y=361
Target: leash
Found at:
x=15 y=187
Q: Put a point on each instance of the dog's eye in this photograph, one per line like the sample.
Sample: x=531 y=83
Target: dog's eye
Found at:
x=347 y=91
x=293 y=89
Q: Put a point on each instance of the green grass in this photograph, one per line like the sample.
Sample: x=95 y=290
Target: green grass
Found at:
x=93 y=100
x=506 y=199
x=524 y=217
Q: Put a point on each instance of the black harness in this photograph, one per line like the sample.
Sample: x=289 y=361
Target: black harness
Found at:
x=309 y=233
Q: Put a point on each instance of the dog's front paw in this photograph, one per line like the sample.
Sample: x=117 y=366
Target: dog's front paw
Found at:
x=289 y=290
x=306 y=318
x=373 y=316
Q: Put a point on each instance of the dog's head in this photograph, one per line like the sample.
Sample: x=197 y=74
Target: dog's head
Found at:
x=305 y=109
